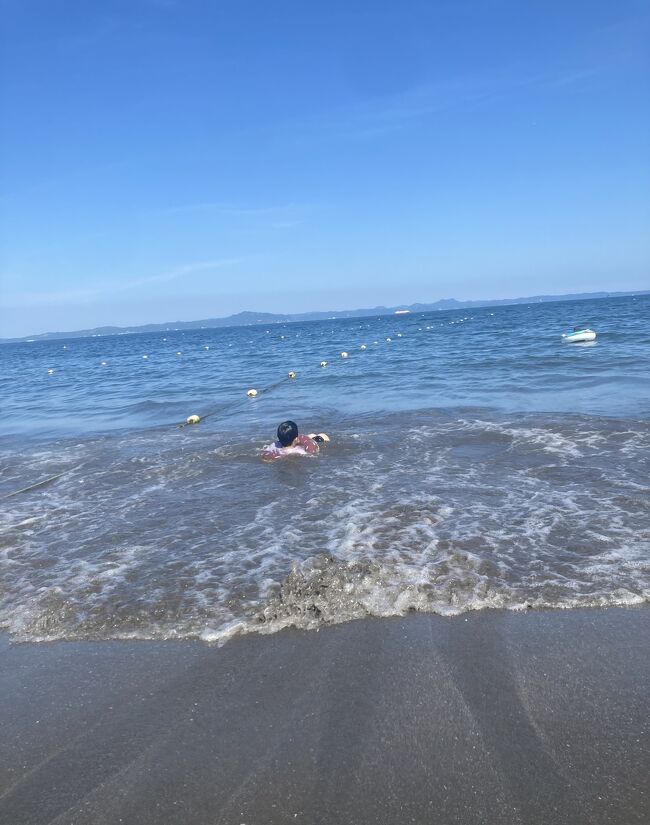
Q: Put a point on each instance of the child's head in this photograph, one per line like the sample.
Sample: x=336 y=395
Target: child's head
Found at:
x=287 y=433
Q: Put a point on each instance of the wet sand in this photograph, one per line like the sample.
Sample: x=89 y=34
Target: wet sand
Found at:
x=491 y=718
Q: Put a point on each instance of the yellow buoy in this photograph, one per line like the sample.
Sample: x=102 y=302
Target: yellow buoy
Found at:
x=193 y=419
x=292 y=374
x=323 y=363
x=251 y=393
x=344 y=355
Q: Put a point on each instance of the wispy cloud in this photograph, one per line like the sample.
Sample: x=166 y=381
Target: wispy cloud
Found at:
x=87 y=295
x=285 y=224
x=183 y=271
x=391 y=113
x=600 y=53
x=281 y=211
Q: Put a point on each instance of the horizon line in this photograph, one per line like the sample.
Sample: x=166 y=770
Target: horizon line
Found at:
x=297 y=317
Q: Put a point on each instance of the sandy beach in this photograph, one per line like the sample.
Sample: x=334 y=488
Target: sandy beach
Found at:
x=493 y=717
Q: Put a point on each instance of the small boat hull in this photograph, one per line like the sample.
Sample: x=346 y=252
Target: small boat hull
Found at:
x=580 y=335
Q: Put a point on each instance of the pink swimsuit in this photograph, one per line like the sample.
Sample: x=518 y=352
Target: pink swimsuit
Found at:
x=302 y=445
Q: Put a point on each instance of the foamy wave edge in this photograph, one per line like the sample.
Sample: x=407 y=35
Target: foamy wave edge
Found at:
x=324 y=591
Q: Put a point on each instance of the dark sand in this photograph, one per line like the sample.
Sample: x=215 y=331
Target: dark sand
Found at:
x=489 y=718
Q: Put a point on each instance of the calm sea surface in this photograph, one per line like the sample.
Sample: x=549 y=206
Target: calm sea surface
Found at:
x=476 y=461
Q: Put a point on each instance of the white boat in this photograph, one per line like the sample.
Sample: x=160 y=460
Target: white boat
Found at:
x=579 y=334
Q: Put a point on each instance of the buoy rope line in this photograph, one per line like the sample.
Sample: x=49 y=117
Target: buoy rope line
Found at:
x=254 y=393
x=192 y=419
x=40 y=483
x=232 y=405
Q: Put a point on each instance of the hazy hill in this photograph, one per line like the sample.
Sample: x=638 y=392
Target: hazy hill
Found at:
x=258 y=318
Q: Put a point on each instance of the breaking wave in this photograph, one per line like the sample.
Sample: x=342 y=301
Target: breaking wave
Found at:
x=148 y=536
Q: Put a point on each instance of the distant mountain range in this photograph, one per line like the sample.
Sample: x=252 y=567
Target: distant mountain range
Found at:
x=261 y=318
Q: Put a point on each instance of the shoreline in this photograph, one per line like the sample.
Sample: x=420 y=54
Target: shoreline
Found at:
x=488 y=717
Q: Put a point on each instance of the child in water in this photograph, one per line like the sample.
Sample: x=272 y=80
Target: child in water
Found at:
x=291 y=443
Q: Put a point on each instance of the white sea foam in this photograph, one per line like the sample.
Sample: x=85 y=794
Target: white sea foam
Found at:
x=442 y=513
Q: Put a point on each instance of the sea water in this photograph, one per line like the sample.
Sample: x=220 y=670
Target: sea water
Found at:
x=476 y=461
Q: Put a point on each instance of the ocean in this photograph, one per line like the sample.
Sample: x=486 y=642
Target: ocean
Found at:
x=476 y=461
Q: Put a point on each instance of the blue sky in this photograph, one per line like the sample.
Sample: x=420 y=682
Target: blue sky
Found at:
x=168 y=160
